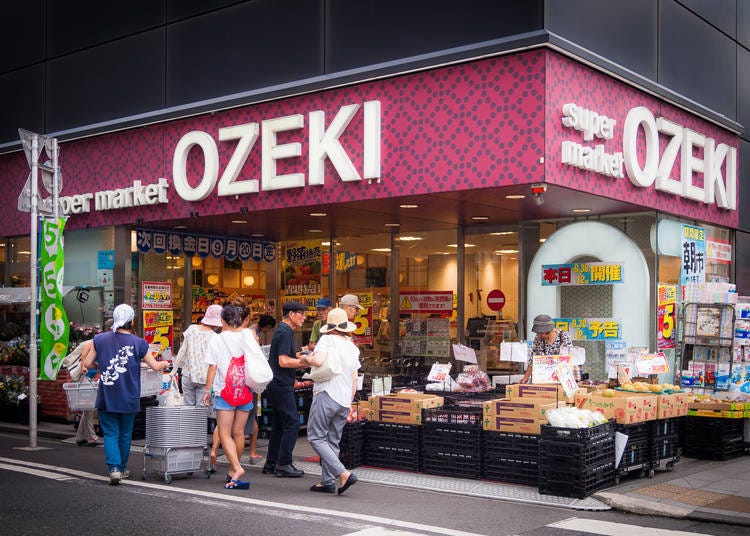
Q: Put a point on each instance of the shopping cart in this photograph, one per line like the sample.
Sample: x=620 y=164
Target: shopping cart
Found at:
x=175 y=440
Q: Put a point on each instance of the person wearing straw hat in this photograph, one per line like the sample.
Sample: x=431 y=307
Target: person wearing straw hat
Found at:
x=332 y=400
x=191 y=357
x=548 y=341
x=118 y=354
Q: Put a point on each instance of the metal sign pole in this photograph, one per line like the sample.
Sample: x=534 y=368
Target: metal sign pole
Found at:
x=33 y=351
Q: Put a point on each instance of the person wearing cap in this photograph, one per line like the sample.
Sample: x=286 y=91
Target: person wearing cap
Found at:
x=191 y=357
x=118 y=354
x=350 y=304
x=332 y=400
x=323 y=306
x=548 y=341
x=284 y=362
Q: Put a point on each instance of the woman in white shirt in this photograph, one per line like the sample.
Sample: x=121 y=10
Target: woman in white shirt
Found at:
x=233 y=399
x=332 y=400
x=191 y=357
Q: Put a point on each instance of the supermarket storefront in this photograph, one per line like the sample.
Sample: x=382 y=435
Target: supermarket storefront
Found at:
x=462 y=181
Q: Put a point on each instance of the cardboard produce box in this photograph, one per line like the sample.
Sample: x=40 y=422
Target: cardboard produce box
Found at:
x=405 y=402
x=516 y=425
x=624 y=409
x=397 y=416
x=540 y=390
x=525 y=408
x=724 y=414
x=719 y=406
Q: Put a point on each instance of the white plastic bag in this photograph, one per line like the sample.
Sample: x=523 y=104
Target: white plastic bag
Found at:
x=174 y=396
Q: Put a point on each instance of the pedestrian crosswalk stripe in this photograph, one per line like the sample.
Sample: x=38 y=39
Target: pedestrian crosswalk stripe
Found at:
x=607 y=528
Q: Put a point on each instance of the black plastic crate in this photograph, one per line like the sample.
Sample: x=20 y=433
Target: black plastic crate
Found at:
x=581 y=457
x=592 y=433
x=352 y=458
x=701 y=426
x=563 y=473
x=510 y=445
x=637 y=431
x=518 y=471
x=465 y=416
x=717 y=450
x=392 y=434
x=393 y=457
x=578 y=488
x=451 y=464
x=452 y=438
x=353 y=435
x=666 y=427
x=637 y=454
x=665 y=447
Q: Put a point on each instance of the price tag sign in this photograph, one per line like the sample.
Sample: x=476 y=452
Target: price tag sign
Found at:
x=439 y=372
x=544 y=367
x=652 y=364
x=564 y=375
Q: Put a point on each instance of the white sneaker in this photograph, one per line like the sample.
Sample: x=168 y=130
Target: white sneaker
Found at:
x=125 y=474
x=114 y=477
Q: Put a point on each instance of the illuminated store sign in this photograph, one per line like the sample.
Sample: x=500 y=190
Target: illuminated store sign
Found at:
x=323 y=143
x=717 y=167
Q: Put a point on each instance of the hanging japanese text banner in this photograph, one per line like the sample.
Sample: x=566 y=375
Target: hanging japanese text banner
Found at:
x=204 y=245
x=665 y=323
x=693 y=267
x=53 y=326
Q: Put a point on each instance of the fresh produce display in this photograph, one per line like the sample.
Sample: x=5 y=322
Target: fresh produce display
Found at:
x=643 y=387
x=571 y=417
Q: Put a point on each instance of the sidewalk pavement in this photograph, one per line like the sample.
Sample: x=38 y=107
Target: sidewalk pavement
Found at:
x=704 y=490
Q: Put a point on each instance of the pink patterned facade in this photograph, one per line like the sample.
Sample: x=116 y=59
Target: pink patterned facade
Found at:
x=476 y=125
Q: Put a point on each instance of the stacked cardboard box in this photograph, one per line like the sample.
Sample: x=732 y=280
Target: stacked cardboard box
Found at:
x=403 y=408
x=624 y=408
x=519 y=415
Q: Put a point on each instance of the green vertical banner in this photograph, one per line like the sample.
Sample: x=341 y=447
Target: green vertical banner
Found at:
x=53 y=324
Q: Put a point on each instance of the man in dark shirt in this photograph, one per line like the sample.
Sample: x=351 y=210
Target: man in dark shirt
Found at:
x=280 y=393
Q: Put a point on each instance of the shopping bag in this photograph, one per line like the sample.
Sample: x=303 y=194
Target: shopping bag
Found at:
x=174 y=396
x=330 y=367
x=258 y=373
x=235 y=392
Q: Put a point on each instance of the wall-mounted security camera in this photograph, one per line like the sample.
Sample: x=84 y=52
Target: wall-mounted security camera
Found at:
x=537 y=190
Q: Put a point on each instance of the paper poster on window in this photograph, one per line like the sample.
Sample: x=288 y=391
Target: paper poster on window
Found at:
x=693 y=266
x=666 y=316
x=156 y=295
x=652 y=364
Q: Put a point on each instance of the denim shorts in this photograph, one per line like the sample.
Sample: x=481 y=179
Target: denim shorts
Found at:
x=222 y=404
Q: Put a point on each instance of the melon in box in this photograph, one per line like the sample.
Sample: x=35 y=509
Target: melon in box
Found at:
x=623 y=409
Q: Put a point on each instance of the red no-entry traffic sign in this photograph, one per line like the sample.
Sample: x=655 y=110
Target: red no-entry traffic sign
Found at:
x=496 y=299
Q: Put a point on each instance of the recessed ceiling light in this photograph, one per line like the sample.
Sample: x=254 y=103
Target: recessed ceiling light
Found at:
x=480 y=218
x=409 y=238
x=381 y=250
x=515 y=196
x=257 y=235
x=456 y=245
x=180 y=226
x=503 y=233
x=581 y=210
x=24 y=252
x=542 y=240
x=318 y=214
x=327 y=243
x=393 y=225
x=501 y=251
x=314 y=231
x=409 y=206
x=239 y=221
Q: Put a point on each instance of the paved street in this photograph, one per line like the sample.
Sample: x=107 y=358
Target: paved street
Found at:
x=62 y=488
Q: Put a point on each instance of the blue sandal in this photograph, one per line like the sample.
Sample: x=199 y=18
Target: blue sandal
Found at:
x=236 y=484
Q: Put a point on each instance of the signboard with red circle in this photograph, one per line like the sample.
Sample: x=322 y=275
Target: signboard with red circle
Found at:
x=496 y=299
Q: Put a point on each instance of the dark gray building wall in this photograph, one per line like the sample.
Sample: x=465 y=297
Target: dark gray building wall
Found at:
x=68 y=65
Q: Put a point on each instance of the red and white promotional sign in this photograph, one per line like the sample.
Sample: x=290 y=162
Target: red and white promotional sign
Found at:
x=496 y=300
